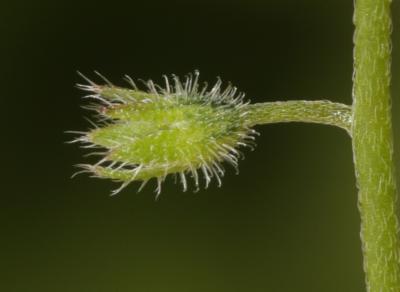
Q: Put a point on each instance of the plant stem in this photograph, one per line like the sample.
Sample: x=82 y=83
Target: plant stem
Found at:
x=321 y=112
x=373 y=145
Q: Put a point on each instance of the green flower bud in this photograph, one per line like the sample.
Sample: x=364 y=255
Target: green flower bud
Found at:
x=182 y=129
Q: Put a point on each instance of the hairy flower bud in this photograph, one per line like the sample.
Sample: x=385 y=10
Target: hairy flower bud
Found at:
x=181 y=129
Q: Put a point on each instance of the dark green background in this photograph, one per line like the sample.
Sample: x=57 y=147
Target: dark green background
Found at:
x=288 y=222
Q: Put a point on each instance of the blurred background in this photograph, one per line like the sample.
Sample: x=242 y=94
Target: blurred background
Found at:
x=288 y=222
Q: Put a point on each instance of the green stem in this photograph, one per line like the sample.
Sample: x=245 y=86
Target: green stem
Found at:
x=373 y=145
x=320 y=112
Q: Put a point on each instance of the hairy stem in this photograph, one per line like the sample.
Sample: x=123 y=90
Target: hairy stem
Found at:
x=321 y=112
x=373 y=145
